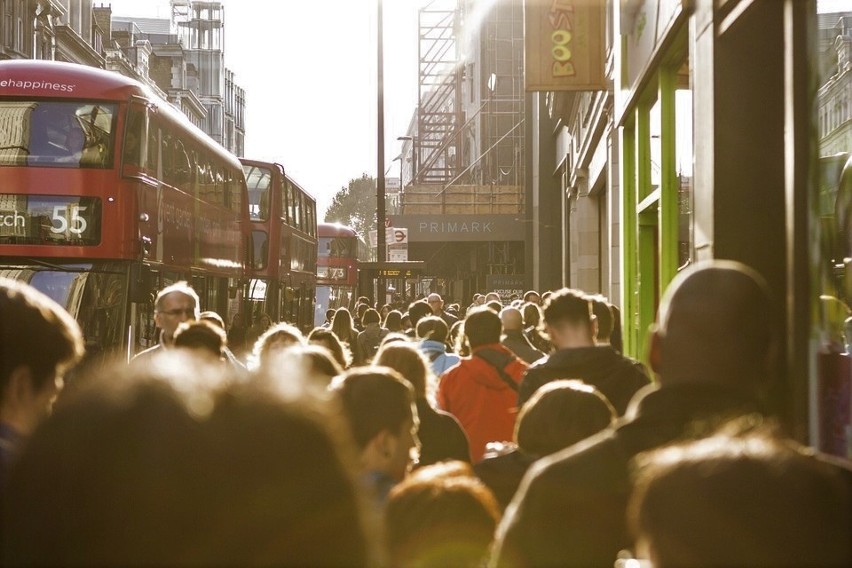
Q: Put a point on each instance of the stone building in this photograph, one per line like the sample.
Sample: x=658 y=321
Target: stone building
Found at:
x=834 y=98
x=181 y=58
x=464 y=197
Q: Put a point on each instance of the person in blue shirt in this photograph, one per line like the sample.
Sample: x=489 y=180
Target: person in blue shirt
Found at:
x=432 y=332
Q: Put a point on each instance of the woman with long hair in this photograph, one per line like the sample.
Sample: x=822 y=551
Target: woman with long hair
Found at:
x=393 y=321
x=343 y=327
x=326 y=338
x=441 y=436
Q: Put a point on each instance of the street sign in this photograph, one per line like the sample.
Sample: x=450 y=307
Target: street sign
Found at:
x=393 y=236
x=507 y=285
x=390 y=237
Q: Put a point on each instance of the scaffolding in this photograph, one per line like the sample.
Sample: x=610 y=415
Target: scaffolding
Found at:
x=502 y=139
x=437 y=153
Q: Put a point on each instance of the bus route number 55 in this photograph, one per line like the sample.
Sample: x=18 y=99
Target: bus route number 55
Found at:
x=72 y=222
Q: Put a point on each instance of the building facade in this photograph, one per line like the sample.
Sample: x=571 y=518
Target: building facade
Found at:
x=701 y=144
x=835 y=94
x=464 y=196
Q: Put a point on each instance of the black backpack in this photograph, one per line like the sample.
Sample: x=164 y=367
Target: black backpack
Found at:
x=499 y=360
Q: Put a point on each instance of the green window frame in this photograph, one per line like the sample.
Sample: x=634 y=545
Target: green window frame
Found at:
x=653 y=215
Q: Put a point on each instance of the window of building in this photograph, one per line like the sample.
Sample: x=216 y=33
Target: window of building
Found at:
x=657 y=194
x=20 y=14
x=7 y=22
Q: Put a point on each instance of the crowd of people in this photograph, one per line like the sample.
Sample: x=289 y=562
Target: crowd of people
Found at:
x=424 y=435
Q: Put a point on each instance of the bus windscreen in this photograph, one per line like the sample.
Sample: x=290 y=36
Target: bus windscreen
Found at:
x=66 y=134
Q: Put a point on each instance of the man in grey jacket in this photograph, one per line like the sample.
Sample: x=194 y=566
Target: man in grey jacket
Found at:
x=514 y=338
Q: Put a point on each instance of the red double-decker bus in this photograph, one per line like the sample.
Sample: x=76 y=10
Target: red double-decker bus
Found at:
x=107 y=194
x=340 y=251
x=283 y=217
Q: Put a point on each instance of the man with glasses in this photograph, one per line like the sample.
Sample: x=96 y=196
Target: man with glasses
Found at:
x=174 y=305
x=436 y=303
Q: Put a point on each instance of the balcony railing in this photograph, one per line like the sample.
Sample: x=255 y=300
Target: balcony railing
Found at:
x=462 y=200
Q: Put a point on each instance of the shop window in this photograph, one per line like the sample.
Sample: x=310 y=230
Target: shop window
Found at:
x=657 y=195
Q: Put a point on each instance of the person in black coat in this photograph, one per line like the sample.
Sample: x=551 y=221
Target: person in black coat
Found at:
x=763 y=501
x=513 y=336
x=569 y=323
x=712 y=351
x=559 y=414
x=441 y=436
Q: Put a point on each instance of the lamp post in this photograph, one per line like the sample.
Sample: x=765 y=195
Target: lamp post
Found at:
x=413 y=158
x=491 y=128
x=381 y=246
x=395 y=202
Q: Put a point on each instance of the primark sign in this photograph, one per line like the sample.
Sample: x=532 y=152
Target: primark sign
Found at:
x=467 y=228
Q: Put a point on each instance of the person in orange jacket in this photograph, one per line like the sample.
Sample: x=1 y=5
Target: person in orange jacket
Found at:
x=482 y=390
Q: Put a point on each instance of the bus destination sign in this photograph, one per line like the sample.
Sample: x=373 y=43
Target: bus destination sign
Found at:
x=50 y=220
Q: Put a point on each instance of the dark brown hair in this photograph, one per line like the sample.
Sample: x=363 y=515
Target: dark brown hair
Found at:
x=373 y=399
x=440 y=516
x=404 y=358
x=179 y=463
x=560 y=414
x=35 y=332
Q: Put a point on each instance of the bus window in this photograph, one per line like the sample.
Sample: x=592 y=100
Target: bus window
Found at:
x=61 y=134
x=101 y=314
x=219 y=186
x=97 y=122
x=297 y=208
x=235 y=191
x=259 y=181
x=291 y=199
x=200 y=176
x=336 y=246
x=182 y=173
x=174 y=161
x=312 y=215
x=257 y=295
x=285 y=200
x=260 y=245
x=152 y=158
x=134 y=132
x=167 y=152
x=191 y=170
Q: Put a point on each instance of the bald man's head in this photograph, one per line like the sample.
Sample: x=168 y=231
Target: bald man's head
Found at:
x=512 y=319
x=715 y=325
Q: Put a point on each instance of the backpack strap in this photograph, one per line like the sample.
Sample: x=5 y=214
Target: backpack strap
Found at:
x=433 y=356
x=499 y=361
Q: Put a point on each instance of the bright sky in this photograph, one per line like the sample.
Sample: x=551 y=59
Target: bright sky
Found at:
x=834 y=6
x=309 y=71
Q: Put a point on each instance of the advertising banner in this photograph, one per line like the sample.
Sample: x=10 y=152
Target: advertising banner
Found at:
x=459 y=228
x=564 y=46
x=507 y=285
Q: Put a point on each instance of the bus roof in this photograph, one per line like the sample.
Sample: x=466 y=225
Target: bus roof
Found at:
x=35 y=78
x=335 y=230
x=280 y=167
x=38 y=78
